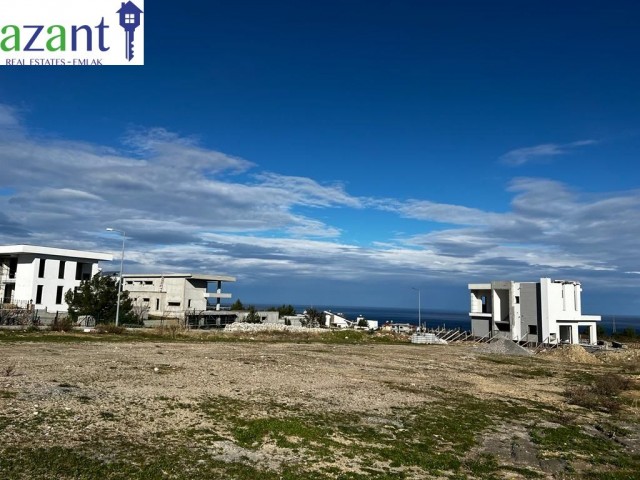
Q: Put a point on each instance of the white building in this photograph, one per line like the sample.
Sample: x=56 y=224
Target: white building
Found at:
x=548 y=311
x=40 y=276
x=336 y=320
x=171 y=295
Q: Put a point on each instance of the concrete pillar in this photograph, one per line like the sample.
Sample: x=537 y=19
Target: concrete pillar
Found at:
x=544 y=307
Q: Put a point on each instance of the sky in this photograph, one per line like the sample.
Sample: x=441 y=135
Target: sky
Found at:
x=344 y=152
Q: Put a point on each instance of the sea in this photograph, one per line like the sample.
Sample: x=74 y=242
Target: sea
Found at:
x=448 y=319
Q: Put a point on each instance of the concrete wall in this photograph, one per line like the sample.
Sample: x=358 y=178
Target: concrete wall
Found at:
x=480 y=326
x=530 y=315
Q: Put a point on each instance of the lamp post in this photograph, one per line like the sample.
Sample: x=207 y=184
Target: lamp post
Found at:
x=124 y=236
x=419 y=310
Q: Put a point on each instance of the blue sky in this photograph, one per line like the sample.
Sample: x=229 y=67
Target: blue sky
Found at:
x=341 y=152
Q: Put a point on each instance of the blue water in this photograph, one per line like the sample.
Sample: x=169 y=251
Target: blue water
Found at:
x=448 y=319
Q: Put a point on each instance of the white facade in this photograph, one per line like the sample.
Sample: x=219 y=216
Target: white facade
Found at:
x=171 y=295
x=549 y=311
x=40 y=276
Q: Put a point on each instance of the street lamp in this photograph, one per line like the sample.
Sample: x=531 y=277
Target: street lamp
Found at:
x=124 y=236
x=419 y=310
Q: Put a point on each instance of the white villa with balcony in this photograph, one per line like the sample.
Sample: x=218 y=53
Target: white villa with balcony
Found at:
x=38 y=277
x=171 y=295
x=548 y=311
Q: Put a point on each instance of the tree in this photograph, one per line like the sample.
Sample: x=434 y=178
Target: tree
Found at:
x=237 y=305
x=98 y=298
x=314 y=318
x=286 y=310
x=253 y=316
x=363 y=323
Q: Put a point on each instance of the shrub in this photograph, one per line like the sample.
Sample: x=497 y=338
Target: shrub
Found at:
x=110 y=328
x=612 y=384
x=64 y=324
x=602 y=394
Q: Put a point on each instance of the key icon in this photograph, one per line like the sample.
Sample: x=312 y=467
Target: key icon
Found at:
x=129 y=20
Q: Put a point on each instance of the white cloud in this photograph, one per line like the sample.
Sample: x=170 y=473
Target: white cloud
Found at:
x=189 y=208
x=542 y=152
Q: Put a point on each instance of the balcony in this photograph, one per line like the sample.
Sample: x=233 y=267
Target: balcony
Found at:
x=217 y=295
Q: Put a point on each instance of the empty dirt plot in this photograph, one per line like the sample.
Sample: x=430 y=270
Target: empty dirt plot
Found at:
x=325 y=407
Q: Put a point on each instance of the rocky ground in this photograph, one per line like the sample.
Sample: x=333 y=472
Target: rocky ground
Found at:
x=251 y=408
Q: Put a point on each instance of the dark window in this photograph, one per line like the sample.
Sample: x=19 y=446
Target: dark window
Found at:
x=148 y=282
x=517 y=299
x=157 y=304
x=145 y=300
x=61 y=269
x=189 y=306
x=59 y=295
x=13 y=266
x=174 y=304
x=79 y=271
x=533 y=329
x=39 y=295
x=503 y=327
x=41 y=268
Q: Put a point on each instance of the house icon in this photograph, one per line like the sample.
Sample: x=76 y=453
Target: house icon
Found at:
x=129 y=16
x=129 y=20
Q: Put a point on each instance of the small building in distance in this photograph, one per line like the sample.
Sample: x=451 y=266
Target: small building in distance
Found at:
x=38 y=277
x=171 y=295
x=548 y=311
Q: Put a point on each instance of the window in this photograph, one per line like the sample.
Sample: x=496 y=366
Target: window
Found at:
x=59 y=295
x=517 y=299
x=148 y=282
x=83 y=271
x=39 y=295
x=533 y=329
x=129 y=18
x=189 y=305
x=13 y=266
x=157 y=304
x=174 y=304
x=146 y=300
x=61 y=269
x=43 y=262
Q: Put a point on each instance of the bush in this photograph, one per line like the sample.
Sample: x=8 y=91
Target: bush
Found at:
x=602 y=394
x=64 y=324
x=110 y=328
x=611 y=385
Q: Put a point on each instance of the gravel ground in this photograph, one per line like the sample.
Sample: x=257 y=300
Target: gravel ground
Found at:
x=142 y=391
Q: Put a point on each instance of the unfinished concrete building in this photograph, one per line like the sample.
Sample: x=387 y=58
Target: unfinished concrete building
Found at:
x=170 y=295
x=548 y=311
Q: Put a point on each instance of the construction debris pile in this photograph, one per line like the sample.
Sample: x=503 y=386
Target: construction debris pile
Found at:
x=269 y=327
x=570 y=353
x=503 y=346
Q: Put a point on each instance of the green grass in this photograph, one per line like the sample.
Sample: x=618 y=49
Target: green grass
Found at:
x=433 y=439
x=350 y=337
x=573 y=442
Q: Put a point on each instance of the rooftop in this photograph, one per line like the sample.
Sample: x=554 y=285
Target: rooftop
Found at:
x=192 y=276
x=55 y=252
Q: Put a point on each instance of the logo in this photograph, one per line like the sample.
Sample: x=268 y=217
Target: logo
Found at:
x=72 y=32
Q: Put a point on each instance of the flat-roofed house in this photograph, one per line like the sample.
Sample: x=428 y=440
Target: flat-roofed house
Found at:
x=173 y=294
x=548 y=311
x=40 y=276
